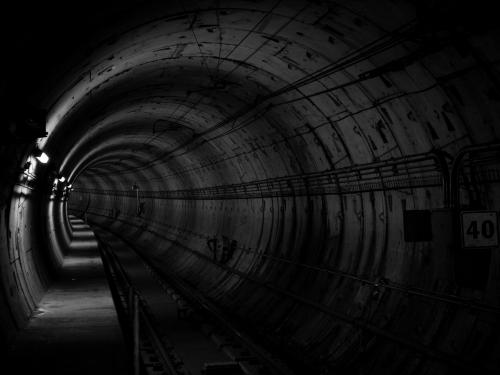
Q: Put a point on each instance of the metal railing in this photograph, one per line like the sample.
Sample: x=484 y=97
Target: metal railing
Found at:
x=135 y=318
x=420 y=170
x=458 y=163
x=432 y=169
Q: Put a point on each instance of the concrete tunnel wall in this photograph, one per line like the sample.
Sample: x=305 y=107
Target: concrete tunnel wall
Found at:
x=150 y=107
x=24 y=265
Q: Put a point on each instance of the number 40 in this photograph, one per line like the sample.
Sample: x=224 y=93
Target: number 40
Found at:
x=487 y=229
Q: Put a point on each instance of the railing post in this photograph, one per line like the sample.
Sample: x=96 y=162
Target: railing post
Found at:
x=439 y=157
x=134 y=308
x=134 y=321
x=130 y=304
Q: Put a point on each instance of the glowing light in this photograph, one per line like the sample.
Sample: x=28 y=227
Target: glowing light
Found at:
x=43 y=158
x=62 y=179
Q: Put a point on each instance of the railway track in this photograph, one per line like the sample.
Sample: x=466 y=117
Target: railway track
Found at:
x=171 y=328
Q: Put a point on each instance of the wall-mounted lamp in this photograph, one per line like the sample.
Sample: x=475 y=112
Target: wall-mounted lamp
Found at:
x=41 y=156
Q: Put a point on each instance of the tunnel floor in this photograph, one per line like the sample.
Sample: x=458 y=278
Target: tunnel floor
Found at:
x=75 y=329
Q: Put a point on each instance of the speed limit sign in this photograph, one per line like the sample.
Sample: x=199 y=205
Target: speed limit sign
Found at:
x=479 y=229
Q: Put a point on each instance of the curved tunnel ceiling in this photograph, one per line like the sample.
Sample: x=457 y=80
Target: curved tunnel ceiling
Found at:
x=206 y=104
x=217 y=84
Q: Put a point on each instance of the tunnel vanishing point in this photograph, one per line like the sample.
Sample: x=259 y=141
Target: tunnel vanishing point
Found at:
x=250 y=187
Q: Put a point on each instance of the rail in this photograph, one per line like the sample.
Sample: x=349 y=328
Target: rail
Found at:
x=134 y=317
x=358 y=322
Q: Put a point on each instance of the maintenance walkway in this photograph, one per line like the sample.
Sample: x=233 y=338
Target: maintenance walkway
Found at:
x=75 y=329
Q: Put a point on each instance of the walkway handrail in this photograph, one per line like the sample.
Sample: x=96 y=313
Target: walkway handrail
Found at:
x=457 y=164
x=425 y=169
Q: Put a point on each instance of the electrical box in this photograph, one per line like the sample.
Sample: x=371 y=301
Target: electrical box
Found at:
x=417 y=225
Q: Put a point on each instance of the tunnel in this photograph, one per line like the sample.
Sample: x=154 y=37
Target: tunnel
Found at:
x=317 y=180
